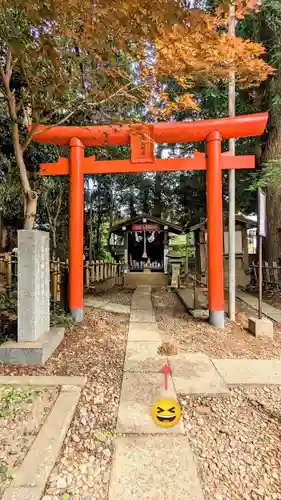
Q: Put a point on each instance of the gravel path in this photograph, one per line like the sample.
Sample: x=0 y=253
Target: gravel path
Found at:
x=22 y=413
x=237 y=443
x=96 y=348
x=118 y=295
x=191 y=335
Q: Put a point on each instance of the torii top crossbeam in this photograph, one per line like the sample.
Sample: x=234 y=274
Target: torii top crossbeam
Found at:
x=171 y=132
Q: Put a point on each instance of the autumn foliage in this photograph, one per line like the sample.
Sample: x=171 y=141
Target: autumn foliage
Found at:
x=60 y=57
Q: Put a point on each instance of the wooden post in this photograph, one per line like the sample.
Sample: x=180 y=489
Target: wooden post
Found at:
x=202 y=252
x=215 y=230
x=166 y=249
x=245 y=249
x=126 y=241
x=87 y=275
x=97 y=263
x=9 y=276
x=275 y=273
x=59 y=279
x=93 y=274
x=76 y=230
x=55 y=283
x=101 y=270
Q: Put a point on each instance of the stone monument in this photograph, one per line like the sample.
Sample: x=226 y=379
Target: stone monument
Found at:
x=36 y=341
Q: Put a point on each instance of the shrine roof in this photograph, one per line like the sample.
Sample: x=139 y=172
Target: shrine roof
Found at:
x=172 y=228
x=240 y=218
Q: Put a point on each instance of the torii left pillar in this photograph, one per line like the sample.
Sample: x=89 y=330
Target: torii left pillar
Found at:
x=76 y=230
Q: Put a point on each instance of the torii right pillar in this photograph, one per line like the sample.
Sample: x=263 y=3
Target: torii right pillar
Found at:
x=215 y=230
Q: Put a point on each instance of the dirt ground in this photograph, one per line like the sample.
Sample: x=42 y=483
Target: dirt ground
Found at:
x=237 y=443
x=192 y=335
x=96 y=349
x=22 y=413
x=117 y=295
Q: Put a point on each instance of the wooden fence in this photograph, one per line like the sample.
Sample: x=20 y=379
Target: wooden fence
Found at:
x=271 y=276
x=95 y=273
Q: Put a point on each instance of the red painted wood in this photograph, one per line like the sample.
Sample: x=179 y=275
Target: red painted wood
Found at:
x=90 y=166
x=170 y=132
x=215 y=223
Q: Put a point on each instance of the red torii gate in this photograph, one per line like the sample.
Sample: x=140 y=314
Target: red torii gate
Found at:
x=141 y=138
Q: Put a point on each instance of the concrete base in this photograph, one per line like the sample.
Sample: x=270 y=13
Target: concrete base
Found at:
x=155 y=279
x=261 y=328
x=32 y=353
x=216 y=318
x=77 y=315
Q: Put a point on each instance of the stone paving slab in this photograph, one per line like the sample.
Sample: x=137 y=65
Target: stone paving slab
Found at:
x=33 y=473
x=94 y=302
x=143 y=290
x=268 y=310
x=143 y=357
x=249 y=371
x=45 y=380
x=141 y=303
x=154 y=468
x=144 y=332
x=116 y=308
x=186 y=295
x=194 y=373
x=142 y=316
x=139 y=392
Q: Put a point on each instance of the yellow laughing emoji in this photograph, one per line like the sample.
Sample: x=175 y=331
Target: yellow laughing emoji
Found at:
x=166 y=412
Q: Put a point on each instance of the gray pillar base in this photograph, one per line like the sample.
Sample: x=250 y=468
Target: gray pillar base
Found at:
x=77 y=315
x=32 y=353
x=216 y=318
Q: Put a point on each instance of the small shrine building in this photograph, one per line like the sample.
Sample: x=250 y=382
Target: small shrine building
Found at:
x=142 y=244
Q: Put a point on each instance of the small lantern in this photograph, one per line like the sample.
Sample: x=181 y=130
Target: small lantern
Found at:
x=124 y=228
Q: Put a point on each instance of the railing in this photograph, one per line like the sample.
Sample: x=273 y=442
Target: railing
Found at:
x=271 y=276
x=95 y=273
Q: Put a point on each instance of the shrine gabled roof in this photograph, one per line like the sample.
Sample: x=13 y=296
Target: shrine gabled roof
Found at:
x=242 y=219
x=172 y=228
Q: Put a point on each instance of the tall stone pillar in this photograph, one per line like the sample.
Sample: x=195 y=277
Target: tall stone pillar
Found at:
x=36 y=341
x=33 y=285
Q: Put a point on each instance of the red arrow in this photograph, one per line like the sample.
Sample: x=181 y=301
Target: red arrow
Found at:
x=166 y=370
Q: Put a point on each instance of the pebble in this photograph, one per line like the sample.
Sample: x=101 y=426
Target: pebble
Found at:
x=61 y=483
x=238 y=458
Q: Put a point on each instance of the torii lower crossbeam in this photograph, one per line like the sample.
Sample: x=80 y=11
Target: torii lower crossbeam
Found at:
x=142 y=138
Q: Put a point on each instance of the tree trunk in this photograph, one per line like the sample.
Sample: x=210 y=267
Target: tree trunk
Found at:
x=271 y=152
x=157 y=205
x=30 y=197
x=132 y=203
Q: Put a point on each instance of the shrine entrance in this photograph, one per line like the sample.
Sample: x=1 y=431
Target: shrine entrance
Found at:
x=142 y=243
x=141 y=138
